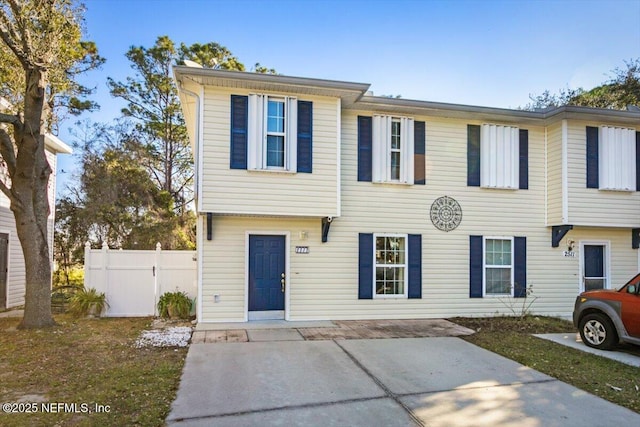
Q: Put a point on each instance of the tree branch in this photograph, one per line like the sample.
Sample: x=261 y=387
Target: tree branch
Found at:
x=9 y=35
x=9 y=118
x=7 y=151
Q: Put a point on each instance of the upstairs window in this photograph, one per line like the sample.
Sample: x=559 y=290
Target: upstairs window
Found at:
x=617 y=158
x=393 y=149
x=275 y=133
x=272 y=133
x=499 y=156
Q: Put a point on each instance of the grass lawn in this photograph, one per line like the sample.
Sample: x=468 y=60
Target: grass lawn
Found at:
x=87 y=362
x=511 y=337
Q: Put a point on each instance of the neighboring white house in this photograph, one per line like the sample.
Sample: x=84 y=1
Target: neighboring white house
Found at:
x=12 y=271
x=318 y=200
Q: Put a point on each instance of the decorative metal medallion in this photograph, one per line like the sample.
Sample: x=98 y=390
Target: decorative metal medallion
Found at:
x=446 y=213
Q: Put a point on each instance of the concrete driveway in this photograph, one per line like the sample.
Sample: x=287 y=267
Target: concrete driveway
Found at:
x=439 y=381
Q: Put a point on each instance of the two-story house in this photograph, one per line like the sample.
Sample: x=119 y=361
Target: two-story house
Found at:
x=318 y=200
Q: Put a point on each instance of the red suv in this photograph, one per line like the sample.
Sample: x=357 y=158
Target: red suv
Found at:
x=606 y=317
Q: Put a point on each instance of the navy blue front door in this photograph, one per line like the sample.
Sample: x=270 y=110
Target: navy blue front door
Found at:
x=266 y=270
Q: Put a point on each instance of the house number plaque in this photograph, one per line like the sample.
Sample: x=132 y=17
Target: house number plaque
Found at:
x=446 y=213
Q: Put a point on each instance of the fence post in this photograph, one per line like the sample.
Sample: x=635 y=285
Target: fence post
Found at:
x=87 y=265
x=105 y=272
x=156 y=278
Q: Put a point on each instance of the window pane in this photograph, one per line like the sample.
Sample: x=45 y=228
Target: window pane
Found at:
x=389 y=280
x=275 y=151
x=275 y=116
x=395 y=135
x=395 y=165
x=497 y=252
x=593 y=284
x=498 y=281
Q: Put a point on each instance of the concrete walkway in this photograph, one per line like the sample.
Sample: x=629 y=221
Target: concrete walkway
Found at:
x=627 y=354
x=12 y=313
x=271 y=330
x=439 y=381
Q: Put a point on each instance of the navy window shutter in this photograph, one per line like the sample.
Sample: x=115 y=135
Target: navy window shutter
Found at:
x=415 y=266
x=475 y=266
x=524 y=159
x=593 y=180
x=365 y=142
x=473 y=156
x=520 y=268
x=305 y=131
x=419 y=152
x=637 y=161
x=239 y=135
x=365 y=266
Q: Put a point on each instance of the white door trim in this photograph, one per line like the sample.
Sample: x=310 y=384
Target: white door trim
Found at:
x=607 y=262
x=287 y=240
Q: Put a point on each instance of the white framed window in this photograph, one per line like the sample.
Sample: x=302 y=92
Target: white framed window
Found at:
x=617 y=158
x=498 y=266
x=272 y=133
x=390 y=260
x=499 y=156
x=392 y=149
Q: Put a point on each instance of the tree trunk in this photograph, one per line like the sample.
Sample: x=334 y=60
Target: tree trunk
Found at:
x=31 y=205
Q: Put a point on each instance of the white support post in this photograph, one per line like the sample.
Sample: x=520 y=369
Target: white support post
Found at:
x=156 y=278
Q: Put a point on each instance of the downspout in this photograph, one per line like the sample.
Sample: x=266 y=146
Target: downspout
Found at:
x=198 y=191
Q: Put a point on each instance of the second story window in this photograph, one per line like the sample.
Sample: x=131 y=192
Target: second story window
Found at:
x=393 y=149
x=497 y=157
x=617 y=158
x=275 y=133
x=396 y=153
x=272 y=133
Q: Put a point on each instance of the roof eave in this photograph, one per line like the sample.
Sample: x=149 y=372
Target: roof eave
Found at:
x=441 y=109
x=348 y=91
x=56 y=144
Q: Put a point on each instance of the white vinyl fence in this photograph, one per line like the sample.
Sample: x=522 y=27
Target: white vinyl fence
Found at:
x=133 y=280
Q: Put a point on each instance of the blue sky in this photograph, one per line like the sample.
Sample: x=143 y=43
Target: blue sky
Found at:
x=491 y=53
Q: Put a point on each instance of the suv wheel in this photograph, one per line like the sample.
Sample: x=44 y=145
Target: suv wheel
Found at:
x=597 y=331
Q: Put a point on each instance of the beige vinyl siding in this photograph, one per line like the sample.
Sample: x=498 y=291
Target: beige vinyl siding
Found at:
x=324 y=283
x=554 y=174
x=590 y=206
x=16 y=272
x=236 y=191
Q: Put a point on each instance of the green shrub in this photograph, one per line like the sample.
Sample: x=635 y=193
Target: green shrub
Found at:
x=88 y=302
x=174 y=305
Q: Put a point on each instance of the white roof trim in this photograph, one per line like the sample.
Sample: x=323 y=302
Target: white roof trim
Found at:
x=56 y=144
